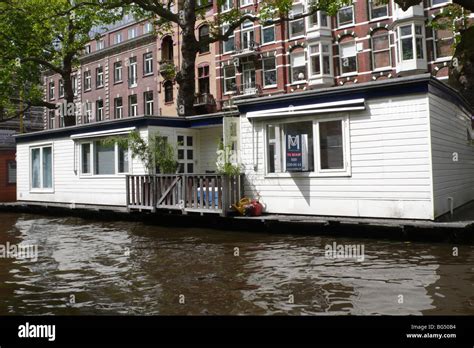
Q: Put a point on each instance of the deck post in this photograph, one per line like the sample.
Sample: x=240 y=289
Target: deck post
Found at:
x=184 y=193
x=225 y=195
x=153 y=193
x=127 y=191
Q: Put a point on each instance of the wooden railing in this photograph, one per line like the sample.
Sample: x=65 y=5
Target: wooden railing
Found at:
x=203 y=193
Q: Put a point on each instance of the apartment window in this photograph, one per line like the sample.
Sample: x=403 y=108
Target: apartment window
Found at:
x=247 y=35
x=11 y=172
x=229 y=79
x=99 y=77
x=87 y=80
x=319 y=19
x=87 y=49
x=100 y=45
x=244 y=3
x=269 y=72
x=438 y=2
x=378 y=9
x=148 y=63
x=61 y=88
x=229 y=44
x=345 y=16
x=148 y=100
x=203 y=79
x=52 y=118
x=297 y=26
x=99 y=158
x=99 y=110
x=298 y=67
x=168 y=86
x=51 y=90
x=118 y=108
x=147 y=28
x=226 y=5
x=320 y=58
x=268 y=34
x=117 y=72
x=381 y=50
x=132 y=72
x=290 y=147
x=88 y=118
x=204 y=39
x=74 y=85
x=132 y=33
x=42 y=167
x=132 y=105
x=444 y=42
x=410 y=42
x=348 y=57
x=118 y=38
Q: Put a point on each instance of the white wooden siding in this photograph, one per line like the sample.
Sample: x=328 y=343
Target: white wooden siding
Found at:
x=208 y=142
x=449 y=126
x=390 y=166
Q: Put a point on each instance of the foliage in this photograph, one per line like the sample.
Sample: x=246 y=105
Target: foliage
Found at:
x=226 y=161
x=156 y=153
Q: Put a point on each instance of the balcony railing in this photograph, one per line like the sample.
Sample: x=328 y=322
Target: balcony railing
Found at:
x=204 y=99
x=251 y=49
x=250 y=89
x=201 y=193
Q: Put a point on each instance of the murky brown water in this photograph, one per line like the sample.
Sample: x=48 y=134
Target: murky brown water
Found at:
x=132 y=268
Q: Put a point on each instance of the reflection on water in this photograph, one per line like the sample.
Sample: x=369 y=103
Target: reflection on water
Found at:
x=87 y=267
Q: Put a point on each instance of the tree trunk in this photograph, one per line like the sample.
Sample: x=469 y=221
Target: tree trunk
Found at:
x=461 y=75
x=68 y=109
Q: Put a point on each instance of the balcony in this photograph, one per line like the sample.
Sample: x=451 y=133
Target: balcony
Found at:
x=167 y=69
x=204 y=103
x=247 y=90
x=249 y=50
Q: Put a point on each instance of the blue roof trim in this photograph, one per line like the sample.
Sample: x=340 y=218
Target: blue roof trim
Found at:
x=117 y=124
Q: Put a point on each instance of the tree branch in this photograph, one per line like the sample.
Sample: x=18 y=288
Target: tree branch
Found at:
x=43 y=63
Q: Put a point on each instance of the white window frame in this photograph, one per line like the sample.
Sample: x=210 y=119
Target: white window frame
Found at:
x=75 y=85
x=444 y=3
x=132 y=33
x=293 y=79
x=118 y=72
x=147 y=28
x=231 y=37
x=87 y=49
x=118 y=110
x=321 y=54
x=245 y=3
x=51 y=91
x=61 y=88
x=435 y=47
x=99 y=111
x=92 y=169
x=52 y=119
x=227 y=5
x=99 y=80
x=148 y=103
x=264 y=71
x=296 y=10
x=388 y=49
x=247 y=30
x=100 y=45
x=347 y=24
x=414 y=36
x=370 y=4
x=225 y=78
x=318 y=172
x=133 y=72
x=132 y=107
x=341 y=57
x=319 y=14
x=118 y=38
x=88 y=112
x=87 y=80
x=148 y=63
x=267 y=27
x=41 y=189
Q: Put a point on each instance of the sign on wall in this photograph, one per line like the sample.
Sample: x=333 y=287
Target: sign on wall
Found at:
x=296 y=152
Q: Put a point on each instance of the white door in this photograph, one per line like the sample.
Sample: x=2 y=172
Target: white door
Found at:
x=186 y=153
x=248 y=78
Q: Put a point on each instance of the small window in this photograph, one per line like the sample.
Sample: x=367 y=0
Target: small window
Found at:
x=132 y=33
x=87 y=80
x=132 y=105
x=269 y=72
x=297 y=27
x=229 y=44
x=118 y=108
x=229 y=79
x=298 y=67
x=204 y=39
x=11 y=172
x=122 y=160
x=378 y=9
x=99 y=158
x=61 y=88
x=51 y=91
x=331 y=145
x=99 y=110
x=268 y=34
x=88 y=116
x=86 y=158
x=444 y=43
x=348 y=57
x=227 y=5
x=244 y=3
x=117 y=72
x=42 y=167
x=410 y=41
x=148 y=63
x=52 y=119
x=132 y=72
x=345 y=16
x=118 y=38
x=318 y=19
x=203 y=79
x=168 y=85
x=148 y=100
x=381 y=57
x=320 y=57
x=87 y=49
x=99 y=77
x=100 y=45
x=439 y=2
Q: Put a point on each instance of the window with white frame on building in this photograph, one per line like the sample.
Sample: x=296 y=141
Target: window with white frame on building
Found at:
x=227 y=5
x=298 y=66
x=132 y=33
x=104 y=158
x=381 y=56
x=269 y=72
x=148 y=101
x=148 y=63
x=87 y=49
x=378 y=9
x=244 y=3
x=99 y=77
x=99 y=110
x=345 y=16
x=348 y=57
x=87 y=80
x=118 y=38
x=74 y=84
x=61 y=88
x=117 y=72
x=268 y=34
x=88 y=115
x=297 y=27
x=86 y=158
x=247 y=34
x=132 y=72
x=147 y=28
x=132 y=105
x=443 y=41
x=118 y=108
x=318 y=19
x=41 y=167
x=439 y=2
x=168 y=87
x=203 y=79
x=11 y=172
x=290 y=147
x=410 y=42
x=52 y=119
x=51 y=93
x=320 y=59
x=99 y=158
x=229 y=44
x=204 y=45
x=100 y=45
x=229 y=79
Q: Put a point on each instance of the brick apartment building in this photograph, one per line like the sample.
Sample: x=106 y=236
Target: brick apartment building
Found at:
x=126 y=72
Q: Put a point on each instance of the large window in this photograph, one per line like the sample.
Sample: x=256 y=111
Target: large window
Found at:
x=297 y=27
x=268 y=34
x=229 y=79
x=410 y=42
x=345 y=16
x=229 y=44
x=320 y=57
x=100 y=158
x=381 y=57
x=117 y=72
x=148 y=101
x=443 y=43
x=168 y=86
x=308 y=146
x=378 y=9
x=132 y=105
x=118 y=108
x=148 y=63
x=247 y=35
x=203 y=79
x=298 y=67
x=42 y=167
x=269 y=72
x=204 y=39
x=11 y=172
x=87 y=80
x=132 y=72
x=99 y=77
x=348 y=57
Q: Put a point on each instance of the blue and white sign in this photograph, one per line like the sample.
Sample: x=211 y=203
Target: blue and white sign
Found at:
x=296 y=152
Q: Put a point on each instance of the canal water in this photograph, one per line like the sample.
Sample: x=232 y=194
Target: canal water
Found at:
x=91 y=267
